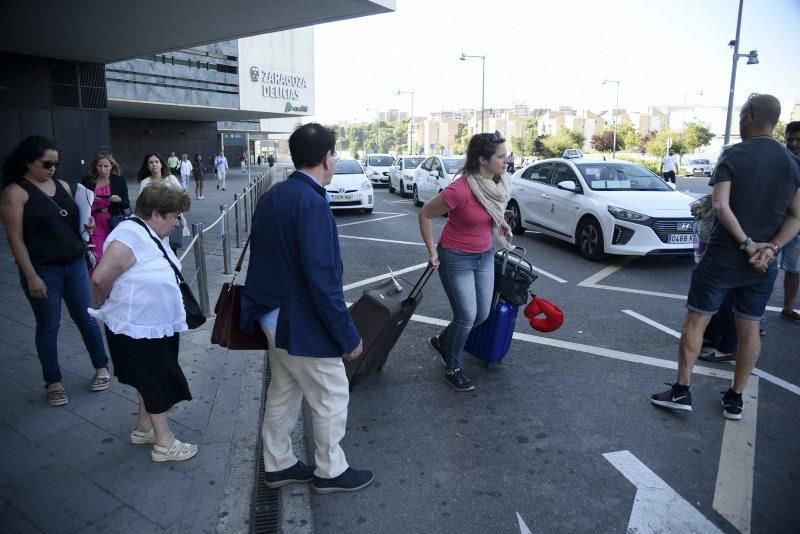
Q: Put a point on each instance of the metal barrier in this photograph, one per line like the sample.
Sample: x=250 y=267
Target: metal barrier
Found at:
x=249 y=198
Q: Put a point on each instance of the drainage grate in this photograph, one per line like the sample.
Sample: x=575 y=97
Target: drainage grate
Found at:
x=264 y=504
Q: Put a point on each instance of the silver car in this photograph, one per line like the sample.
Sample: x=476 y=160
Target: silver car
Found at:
x=699 y=167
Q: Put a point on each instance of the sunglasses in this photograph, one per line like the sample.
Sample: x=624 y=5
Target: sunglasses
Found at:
x=46 y=164
x=495 y=137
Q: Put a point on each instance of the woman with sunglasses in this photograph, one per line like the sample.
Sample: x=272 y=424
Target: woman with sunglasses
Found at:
x=475 y=203
x=41 y=222
x=154 y=170
x=110 y=197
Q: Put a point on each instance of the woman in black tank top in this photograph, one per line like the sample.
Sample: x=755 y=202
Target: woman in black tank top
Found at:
x=41 y=221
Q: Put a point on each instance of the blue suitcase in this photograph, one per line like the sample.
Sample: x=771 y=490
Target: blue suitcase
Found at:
x=490 y=340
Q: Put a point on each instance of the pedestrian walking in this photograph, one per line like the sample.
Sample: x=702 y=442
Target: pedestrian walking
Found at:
x=475 y=204
x=669 y=166
x=511 y=169
x=185 y=170
x=242 y=161
x=221 y=168
x=173 y=162
x=199 y=171
x=136 y=295
x=154 y=171
x=757 y=209
x=41 y=222
x=271 y=160
x=790 y=255
x=110 y=198
x=293 y=292
x=259 y=160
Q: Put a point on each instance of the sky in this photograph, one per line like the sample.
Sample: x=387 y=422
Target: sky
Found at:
x=554 y=53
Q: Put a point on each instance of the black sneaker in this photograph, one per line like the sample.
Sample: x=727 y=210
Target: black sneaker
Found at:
x=732 y=403
x=434 y=342
x=350 y=480
x=458 y=380
x=217 y=187
x=299 y=472
x=676 y=399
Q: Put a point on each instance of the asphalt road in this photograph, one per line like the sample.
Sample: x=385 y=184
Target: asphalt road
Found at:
x=525 y=449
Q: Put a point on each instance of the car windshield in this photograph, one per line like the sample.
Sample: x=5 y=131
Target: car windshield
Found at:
x=348 y=166
x=380 y=161
x=620 y=177
x=452 y=166
x=413 y=163
x=700 y=162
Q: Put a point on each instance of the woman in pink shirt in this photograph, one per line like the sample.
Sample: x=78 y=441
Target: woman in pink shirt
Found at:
x=475 y=203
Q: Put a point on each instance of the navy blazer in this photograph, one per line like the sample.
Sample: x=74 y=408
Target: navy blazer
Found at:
x=295 y=265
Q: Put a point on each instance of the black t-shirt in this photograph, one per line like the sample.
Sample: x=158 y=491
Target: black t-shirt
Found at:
x=764 y=178
x=51 y=239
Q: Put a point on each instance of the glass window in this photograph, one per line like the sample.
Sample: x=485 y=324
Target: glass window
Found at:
x=412 y=163
x=539 y=173
x=380 y=161
x=426 y=166
x=604 y=176
x=563 y=173
x=436 y=166
x=348 y=166
x=399 y=163
x=454 y=165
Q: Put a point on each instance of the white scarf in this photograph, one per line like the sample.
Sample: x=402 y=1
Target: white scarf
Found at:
x=493 y=197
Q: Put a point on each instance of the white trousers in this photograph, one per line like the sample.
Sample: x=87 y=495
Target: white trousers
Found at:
x=221 y=178
x=185 y=181
x=324 y=384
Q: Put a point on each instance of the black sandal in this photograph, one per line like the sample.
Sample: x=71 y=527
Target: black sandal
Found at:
x=711 y=355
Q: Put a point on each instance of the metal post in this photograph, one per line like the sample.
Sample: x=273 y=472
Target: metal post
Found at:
x=236 y=219
x=226 y=243
x=733 y=76
x=483 y=90
x=246 y=213
x=200 y=265
x=247 y=154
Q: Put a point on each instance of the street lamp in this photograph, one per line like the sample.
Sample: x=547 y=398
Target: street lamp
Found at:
x=685 y=95
x=616 y=109
x=411 y=122
x=464 y=57
x=752 y=59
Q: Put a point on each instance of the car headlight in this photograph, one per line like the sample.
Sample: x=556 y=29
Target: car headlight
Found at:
x=366 y=185
x=626 y=215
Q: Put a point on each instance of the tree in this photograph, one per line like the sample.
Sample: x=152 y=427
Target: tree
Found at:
x=696 y=135
x=628 y=138
x=554 y=146
x=462 y=139
x=602 y=141
x=657 y=146
x=779 y=133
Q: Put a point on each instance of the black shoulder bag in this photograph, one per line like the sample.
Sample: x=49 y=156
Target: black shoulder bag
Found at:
x=194 y=315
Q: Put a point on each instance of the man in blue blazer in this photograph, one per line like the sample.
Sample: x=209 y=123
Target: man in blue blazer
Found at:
x=293 y=292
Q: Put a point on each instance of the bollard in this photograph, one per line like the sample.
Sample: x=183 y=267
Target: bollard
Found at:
x=200 y=265
x=246 y=213
x=226 y=241
x=236 y=219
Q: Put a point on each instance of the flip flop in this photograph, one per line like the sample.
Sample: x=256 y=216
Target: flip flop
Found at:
x=710 y=355
x=792 y=316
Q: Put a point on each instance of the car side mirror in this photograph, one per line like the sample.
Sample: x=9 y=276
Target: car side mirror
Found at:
x=568 y=185
x=673 y=186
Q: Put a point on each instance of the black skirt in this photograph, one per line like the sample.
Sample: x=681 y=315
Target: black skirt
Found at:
x=151 y=366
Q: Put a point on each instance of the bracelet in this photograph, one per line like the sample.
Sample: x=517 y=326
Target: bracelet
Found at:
x=746 y=243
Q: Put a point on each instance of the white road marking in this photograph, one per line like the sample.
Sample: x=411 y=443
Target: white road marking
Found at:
x=370 y=220
x=387 y=213
x=733 y=496
x=656 y=506
x=523 y=528
x=383 y=277
x=404 y=201
x=608 y=271
x=653 y=323
x=381 y=240
x=549 y=275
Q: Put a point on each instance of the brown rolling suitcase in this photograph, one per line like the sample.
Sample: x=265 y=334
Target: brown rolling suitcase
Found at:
x=380 y=316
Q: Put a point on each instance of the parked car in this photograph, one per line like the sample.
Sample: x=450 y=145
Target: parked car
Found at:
x=349 y=188
x=401 y=174
x=701 y=167
x=376 y=167
x=433 y=175
x=603 y=207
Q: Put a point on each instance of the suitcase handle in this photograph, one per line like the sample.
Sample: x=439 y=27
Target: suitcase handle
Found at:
x=417 y=289
x=505 y=253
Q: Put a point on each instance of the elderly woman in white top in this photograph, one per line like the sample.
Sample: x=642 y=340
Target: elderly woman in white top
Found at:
x=139 y=300
x=154 y=170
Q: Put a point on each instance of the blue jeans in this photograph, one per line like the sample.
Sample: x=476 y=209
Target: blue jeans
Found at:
x=69 y=282
x=468 y=281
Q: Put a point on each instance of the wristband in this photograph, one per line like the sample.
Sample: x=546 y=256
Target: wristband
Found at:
x=746 y=243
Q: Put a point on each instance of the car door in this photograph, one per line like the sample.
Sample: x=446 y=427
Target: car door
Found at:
x=532 y=193
x=422 y=176
x=430 y=185
x=564 y=205
x=394 y=173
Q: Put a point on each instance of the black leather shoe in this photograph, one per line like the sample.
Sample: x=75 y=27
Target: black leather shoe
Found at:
x=350 y=480
x=298 y=473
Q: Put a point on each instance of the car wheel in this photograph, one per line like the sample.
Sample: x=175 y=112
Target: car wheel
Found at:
x=391 y=187
x=515 y=219
x=590 y=239
x=402 y=189
x=368 y=210
x=417 y=203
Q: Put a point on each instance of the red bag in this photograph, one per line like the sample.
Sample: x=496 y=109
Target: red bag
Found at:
x=553 y=316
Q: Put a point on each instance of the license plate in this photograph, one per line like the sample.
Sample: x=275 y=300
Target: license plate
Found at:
x=680 y=238
x=342 y=197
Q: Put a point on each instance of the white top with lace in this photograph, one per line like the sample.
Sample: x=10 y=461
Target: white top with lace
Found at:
x=145 y=301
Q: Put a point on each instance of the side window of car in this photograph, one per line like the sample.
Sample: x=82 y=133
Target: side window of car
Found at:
x=541 y=173
x=436 y=166
x=398 y=164
x=426 y=165
x=563 y=173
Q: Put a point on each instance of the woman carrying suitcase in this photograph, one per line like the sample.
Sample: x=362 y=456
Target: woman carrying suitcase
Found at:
x=475 y=203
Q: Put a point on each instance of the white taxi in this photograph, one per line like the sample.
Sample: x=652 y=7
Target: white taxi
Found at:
x=349 y=189
x=401 y=174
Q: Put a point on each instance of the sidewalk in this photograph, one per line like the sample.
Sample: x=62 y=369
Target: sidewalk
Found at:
x=71 y=468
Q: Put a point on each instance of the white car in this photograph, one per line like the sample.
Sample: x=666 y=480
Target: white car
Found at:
x=401 y=174
x=349 y=189
x=603 y=207
x=433 y=175
x=699 y=166
x=376 y=167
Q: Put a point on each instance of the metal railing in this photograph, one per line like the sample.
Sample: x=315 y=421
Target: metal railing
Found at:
x=242 y=207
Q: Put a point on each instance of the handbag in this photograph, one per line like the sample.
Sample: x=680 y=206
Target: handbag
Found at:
x=226 y=331
x=513 y=276
x=114 y=221
x=195 y=317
